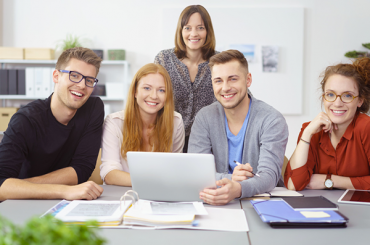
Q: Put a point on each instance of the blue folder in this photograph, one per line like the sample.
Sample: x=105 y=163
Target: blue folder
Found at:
x=279 y=214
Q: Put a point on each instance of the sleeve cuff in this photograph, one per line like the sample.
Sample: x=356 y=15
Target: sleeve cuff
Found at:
x=356 y=183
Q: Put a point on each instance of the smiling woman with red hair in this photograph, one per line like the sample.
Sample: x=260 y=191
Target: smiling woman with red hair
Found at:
x=333 y=149
x=149 y=123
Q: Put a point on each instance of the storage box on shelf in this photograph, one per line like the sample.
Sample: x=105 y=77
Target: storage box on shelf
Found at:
x=5 y=114
x=11 y=53
x=38 y=54
x=111 y=72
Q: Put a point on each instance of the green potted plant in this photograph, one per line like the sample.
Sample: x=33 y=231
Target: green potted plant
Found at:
x=48 y=230
x=358 y=54
x=71 y=41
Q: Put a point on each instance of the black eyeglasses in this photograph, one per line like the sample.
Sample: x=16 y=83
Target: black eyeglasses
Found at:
x=77 y=77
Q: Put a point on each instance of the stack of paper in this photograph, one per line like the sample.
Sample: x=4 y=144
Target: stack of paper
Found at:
x=150 y=213
x=279 y=192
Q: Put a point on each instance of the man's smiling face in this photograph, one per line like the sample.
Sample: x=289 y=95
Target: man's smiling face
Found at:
x=73 y=95
x=230 y=83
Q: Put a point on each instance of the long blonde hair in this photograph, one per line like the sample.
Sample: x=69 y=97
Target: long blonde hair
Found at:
x=161 y=135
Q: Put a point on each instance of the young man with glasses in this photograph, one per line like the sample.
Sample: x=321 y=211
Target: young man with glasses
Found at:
x=239 y=128
x=50 y=146
x=333 y=150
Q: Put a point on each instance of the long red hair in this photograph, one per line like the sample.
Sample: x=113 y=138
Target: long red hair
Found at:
x=161 y=134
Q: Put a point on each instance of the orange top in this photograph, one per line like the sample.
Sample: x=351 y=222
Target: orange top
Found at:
x=350 y=159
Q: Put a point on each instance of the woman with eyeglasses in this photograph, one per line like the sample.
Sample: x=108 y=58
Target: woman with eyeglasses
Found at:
x=148 y=123
x=187 y=64
x=333 y=149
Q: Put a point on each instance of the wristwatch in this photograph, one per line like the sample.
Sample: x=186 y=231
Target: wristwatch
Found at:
x=329 y=184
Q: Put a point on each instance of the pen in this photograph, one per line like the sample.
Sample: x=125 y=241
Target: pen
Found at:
x=238 y=163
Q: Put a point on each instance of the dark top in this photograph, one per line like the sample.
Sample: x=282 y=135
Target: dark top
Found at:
x=189 y=96
x=35 y=143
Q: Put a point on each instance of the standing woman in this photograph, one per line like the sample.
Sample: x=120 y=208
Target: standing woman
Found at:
x=333 y=149
x=149 y=123
x=187 y=64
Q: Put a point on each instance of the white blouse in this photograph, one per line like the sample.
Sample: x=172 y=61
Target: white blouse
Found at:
x=112 y=141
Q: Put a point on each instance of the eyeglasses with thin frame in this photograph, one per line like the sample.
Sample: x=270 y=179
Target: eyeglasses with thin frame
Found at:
x=345 y=97
x=77 y=77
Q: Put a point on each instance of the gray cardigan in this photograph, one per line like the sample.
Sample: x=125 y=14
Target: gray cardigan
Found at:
x=264 y=144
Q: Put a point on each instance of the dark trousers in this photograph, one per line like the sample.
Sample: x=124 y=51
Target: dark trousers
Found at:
x=185 y=149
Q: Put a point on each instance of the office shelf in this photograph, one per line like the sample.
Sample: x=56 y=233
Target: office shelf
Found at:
x=123 y=77
x=43 y=62
x=23 y=97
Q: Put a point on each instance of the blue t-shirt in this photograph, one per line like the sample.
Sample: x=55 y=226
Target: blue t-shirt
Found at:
x=236 y=142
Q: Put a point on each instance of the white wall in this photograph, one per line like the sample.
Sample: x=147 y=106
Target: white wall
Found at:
x=332 y=27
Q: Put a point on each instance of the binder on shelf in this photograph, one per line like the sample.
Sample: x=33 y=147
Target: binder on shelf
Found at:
x=12 y=82
x=30 y=82
x=39 y=76
x=46 y=77
x=3 y=82
x=51 y=80
x=21 y=82
x=278 y=214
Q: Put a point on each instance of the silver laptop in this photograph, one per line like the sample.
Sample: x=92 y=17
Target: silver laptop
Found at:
x=176 y=177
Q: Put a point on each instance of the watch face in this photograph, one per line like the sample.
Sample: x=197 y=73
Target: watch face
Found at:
x=328 y=183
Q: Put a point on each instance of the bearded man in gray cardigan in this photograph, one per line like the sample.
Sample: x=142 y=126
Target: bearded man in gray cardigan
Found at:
x=239 y=128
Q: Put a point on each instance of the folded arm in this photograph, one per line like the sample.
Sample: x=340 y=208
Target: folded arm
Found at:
x=340 y=182
x=23 y=189
x=64 y=176
x=302 y=161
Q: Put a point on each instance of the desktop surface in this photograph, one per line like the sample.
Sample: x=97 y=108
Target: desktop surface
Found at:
x=18 y=211
x=355 y=233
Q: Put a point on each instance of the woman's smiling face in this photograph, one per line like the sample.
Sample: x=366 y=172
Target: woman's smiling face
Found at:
x=151 y=94
x=194 y=33
x=341 y=113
